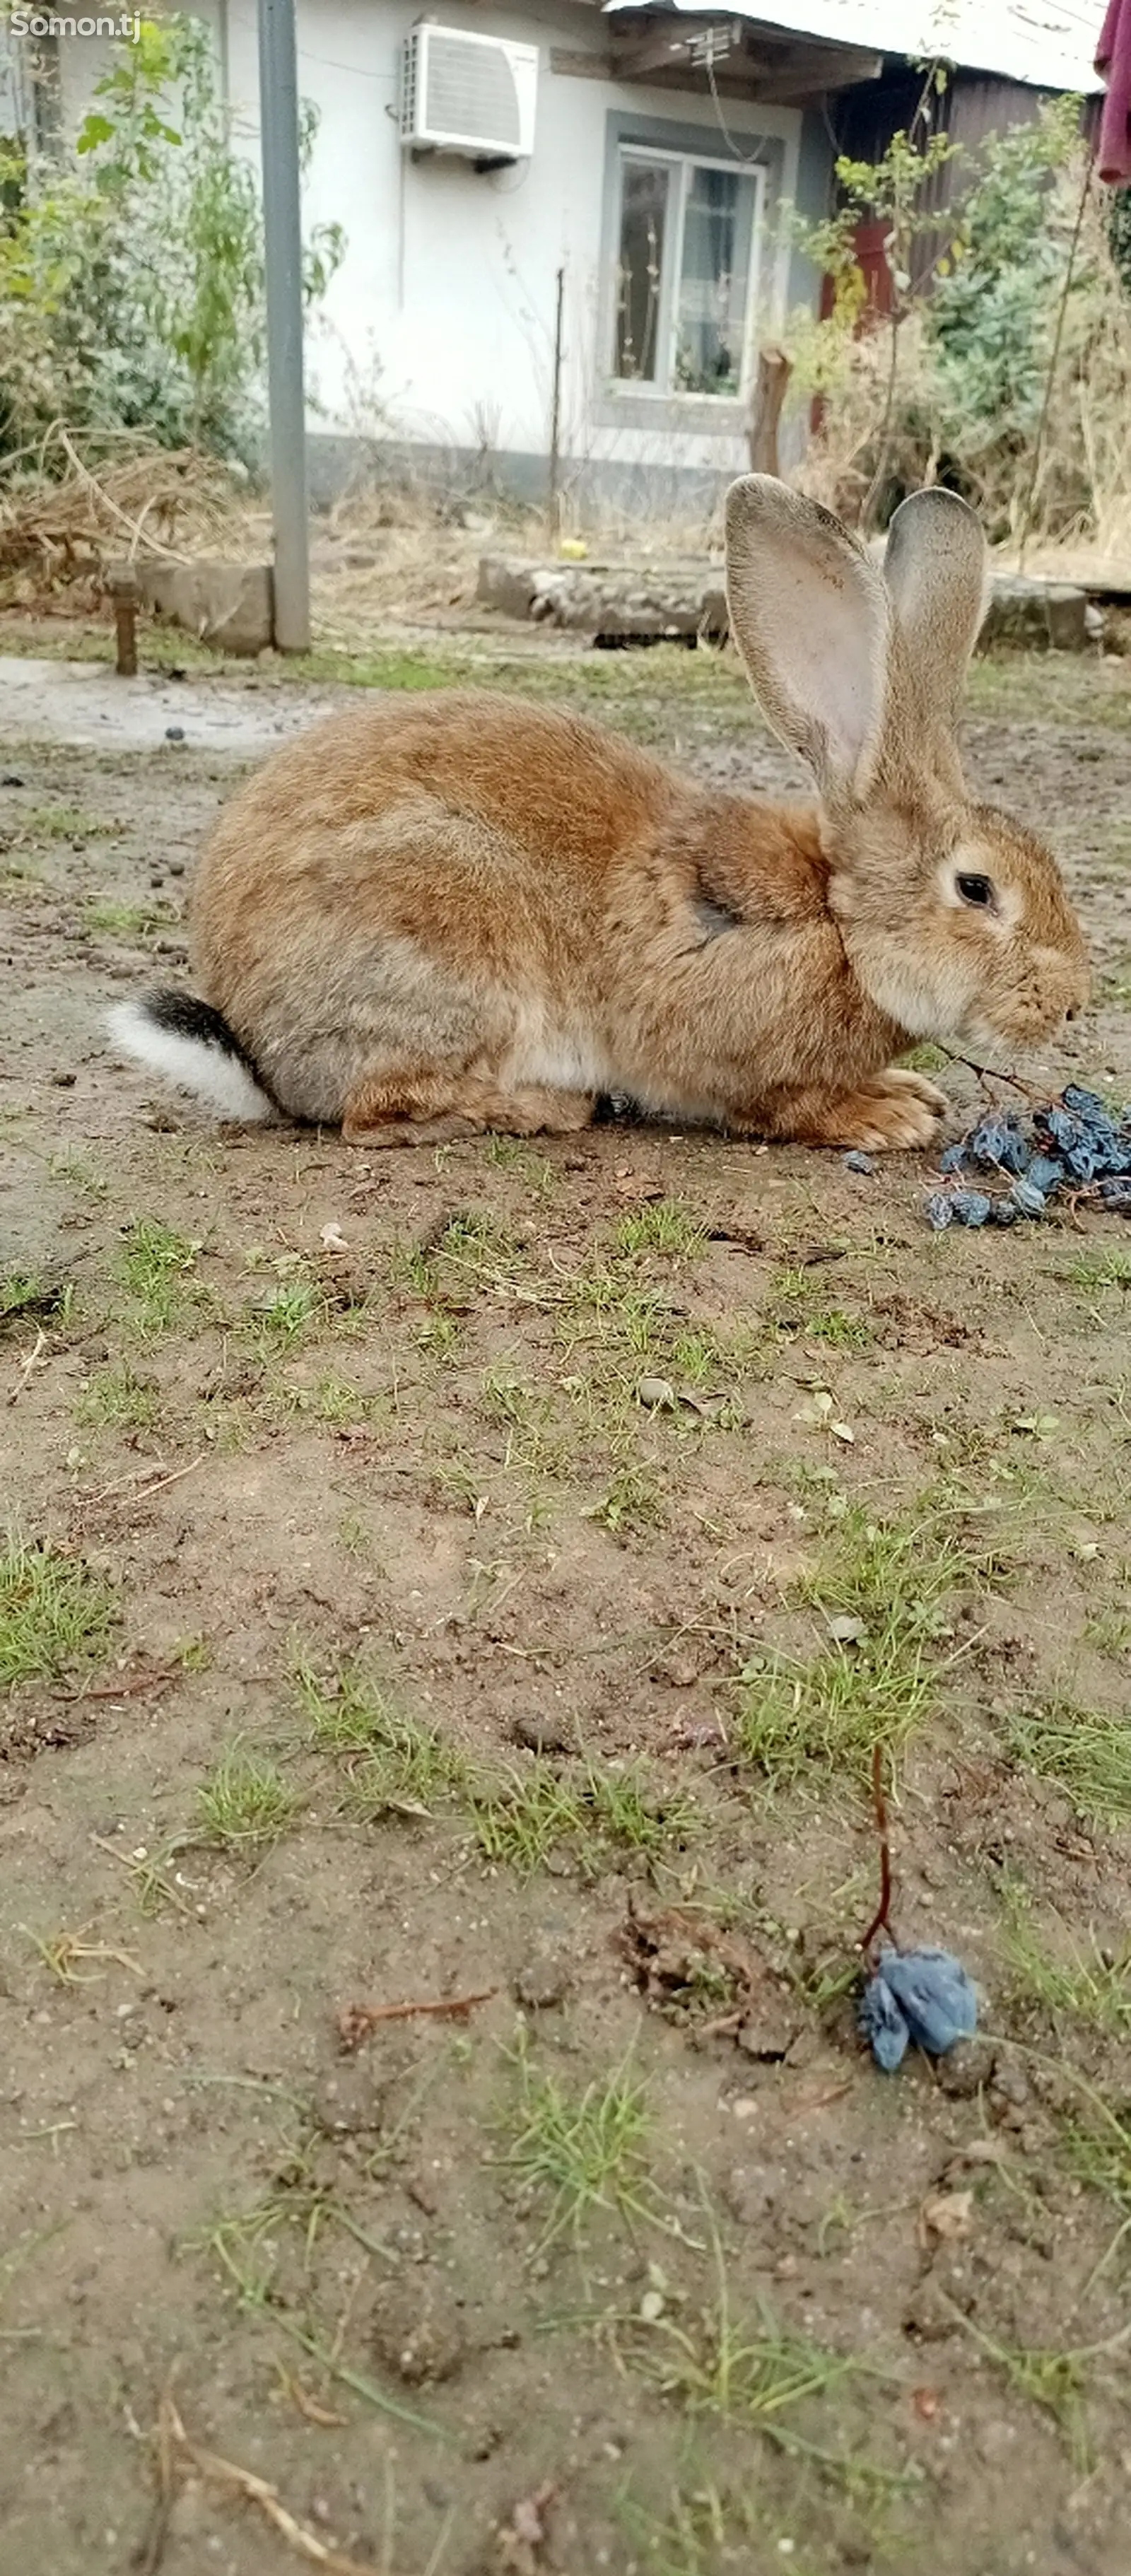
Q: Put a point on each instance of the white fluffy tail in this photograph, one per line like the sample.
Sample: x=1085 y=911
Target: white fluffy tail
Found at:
x=188 y=1042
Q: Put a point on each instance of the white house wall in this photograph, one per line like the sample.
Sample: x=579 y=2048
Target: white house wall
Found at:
x=438 y=328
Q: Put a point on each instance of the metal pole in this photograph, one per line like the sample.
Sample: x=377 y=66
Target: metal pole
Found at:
x=282 y=232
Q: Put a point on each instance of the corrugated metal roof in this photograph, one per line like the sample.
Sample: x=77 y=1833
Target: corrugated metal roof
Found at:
x=1048 y=43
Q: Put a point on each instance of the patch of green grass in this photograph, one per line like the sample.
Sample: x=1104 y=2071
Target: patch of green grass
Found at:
x=67 y=823
x=510 y=1154
x=266 y=2255
x=1092 y=1270
x=331 y=1399
x=154 y=1264
x=194 y=1654
x=77 y=1172
x=699 y=1356
x=1071 y=688
x=632 y=1502
x=440 y=1337
x=1051 y=1966
x=836 y=1330
x=751 y=2373
x=27 y=1292
x=700 y=2532
x=521 y=1818
x=56 y=1614
x=1098 y=2141
x=1053 y=2378
x=393 y=1764
x=126 y=920
x=796 y=1717
x=387 y=667
x=662 y=1225
x=116 y=1397
x=1087 y=1751
x=580 y=2152
x=245 y=1805
x=1110 y=1630
x=926 y=1058
x=757 y=2373
x=471 y=1251
x=280 y=1319
x=525 y=1414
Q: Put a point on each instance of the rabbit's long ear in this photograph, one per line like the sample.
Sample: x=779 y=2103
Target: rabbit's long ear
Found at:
x=937 y=569
x=811 y=615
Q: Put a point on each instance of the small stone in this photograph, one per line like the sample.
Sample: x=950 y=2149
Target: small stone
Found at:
x=656 y=1394
x=769 y=2030
x=348 y=2102
x=680 y=1666
x=847 y=1632
x=174 y=733
x=485 y=2441
x=538 y=1733
x=929 y=2315
x=968 y=2066
x=748 y=2193
x=11 y=778
x=1009 y=2083
x=418 y=2331
x=542 y=1983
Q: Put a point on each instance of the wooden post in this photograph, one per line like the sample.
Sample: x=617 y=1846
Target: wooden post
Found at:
x=553 y=495
x=127 y=598
x=774 y=372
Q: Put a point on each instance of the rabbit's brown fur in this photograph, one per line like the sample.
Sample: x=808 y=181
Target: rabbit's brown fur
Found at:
x=449 y=912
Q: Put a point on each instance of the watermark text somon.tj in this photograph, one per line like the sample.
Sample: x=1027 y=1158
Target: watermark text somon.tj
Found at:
x=38 y=22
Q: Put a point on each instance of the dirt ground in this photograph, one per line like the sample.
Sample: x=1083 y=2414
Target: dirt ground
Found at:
x=477 y=1579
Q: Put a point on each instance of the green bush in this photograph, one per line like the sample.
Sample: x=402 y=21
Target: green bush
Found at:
x=131 y=270
x=957 y=382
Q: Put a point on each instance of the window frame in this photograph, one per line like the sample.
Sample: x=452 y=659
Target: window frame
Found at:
x=618 y=408
x=665 y=389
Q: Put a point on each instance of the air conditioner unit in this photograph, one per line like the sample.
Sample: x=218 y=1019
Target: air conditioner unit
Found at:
x=474 y=95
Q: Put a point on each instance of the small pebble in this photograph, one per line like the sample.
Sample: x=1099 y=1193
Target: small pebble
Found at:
x=174 y=733
x=858 y=1162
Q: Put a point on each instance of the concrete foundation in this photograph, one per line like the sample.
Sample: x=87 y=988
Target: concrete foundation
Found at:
x=648 y=602
x=228 y=605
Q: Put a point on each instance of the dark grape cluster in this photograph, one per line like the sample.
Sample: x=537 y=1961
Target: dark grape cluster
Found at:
x=923 y=1996
x=1072 y=1148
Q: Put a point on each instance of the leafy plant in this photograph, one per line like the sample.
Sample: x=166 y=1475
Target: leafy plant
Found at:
x=953 y=379
x=131 y=274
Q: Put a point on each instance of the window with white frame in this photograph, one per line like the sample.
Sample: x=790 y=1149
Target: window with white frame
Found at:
x=686 y=261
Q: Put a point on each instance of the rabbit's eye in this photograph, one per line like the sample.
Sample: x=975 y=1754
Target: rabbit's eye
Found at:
x=976 y=890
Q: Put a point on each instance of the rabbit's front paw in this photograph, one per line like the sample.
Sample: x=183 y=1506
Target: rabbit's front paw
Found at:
x=891 y=1113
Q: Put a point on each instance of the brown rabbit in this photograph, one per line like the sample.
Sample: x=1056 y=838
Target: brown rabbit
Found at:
x=446 y=913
